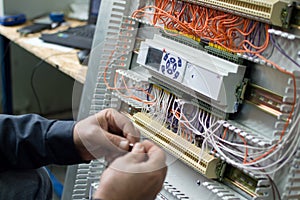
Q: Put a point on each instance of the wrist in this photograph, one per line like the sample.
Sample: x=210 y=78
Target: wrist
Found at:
x=81 y=149
x=100 y=194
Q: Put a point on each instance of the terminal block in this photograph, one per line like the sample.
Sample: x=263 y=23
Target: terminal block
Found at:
x=190 y=154
x=275 y=12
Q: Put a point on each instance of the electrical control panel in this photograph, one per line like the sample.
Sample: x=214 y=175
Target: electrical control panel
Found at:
x=171 y=64
x=216 y=84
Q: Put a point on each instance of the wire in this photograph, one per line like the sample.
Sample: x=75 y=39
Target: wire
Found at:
x=234 y=34
x=200 y=22
x=282 y=51
x=34 y=70
x=33 y=88
x=237 y=35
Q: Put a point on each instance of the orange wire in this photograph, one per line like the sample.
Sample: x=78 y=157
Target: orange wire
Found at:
x=290 y=114
x=221 y=28
x=246 y=148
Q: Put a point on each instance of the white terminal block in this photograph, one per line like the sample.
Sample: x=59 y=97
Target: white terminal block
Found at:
x=211 y=76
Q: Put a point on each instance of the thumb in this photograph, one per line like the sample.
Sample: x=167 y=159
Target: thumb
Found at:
x=138 y=148
x=138 y=152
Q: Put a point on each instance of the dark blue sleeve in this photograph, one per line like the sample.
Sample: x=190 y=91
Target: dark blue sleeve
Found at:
x=31 y=141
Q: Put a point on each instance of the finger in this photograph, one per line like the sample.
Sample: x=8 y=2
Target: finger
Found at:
x=126 y=126
x=138 y=148
x=131 y=132
x=156 y=156
x=119 y=124
x=118 y=141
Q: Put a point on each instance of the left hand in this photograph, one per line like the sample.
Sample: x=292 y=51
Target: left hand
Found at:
x=137 y=175
x=107 y=133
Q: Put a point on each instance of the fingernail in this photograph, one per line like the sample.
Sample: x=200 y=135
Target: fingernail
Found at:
x=138 y=147
x=124 y=144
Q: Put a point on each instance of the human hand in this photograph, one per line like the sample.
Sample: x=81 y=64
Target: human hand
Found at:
x=107 y=133
x=134 y=176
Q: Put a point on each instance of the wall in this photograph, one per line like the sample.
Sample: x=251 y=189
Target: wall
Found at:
x=32 y=8
x=54 y=89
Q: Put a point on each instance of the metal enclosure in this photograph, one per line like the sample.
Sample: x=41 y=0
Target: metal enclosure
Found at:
x=227 y=115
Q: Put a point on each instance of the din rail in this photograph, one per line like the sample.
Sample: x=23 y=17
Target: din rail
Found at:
x=264 y=99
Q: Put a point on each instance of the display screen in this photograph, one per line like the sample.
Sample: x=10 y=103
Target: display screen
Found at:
x=95 y=7
x=93 y=11
x=154 y=58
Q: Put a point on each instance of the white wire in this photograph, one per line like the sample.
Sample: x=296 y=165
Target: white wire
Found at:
x=271 y=154
x=248 y=166
x=208 y=136
x=222 y=146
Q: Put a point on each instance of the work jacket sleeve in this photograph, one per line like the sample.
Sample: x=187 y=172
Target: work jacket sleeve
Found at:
x=31 y=141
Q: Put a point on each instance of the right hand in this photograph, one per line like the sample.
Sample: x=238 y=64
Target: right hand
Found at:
x=107 y=133
x=134 y=176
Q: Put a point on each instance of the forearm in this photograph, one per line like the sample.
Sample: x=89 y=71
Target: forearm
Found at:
x=30 y=141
